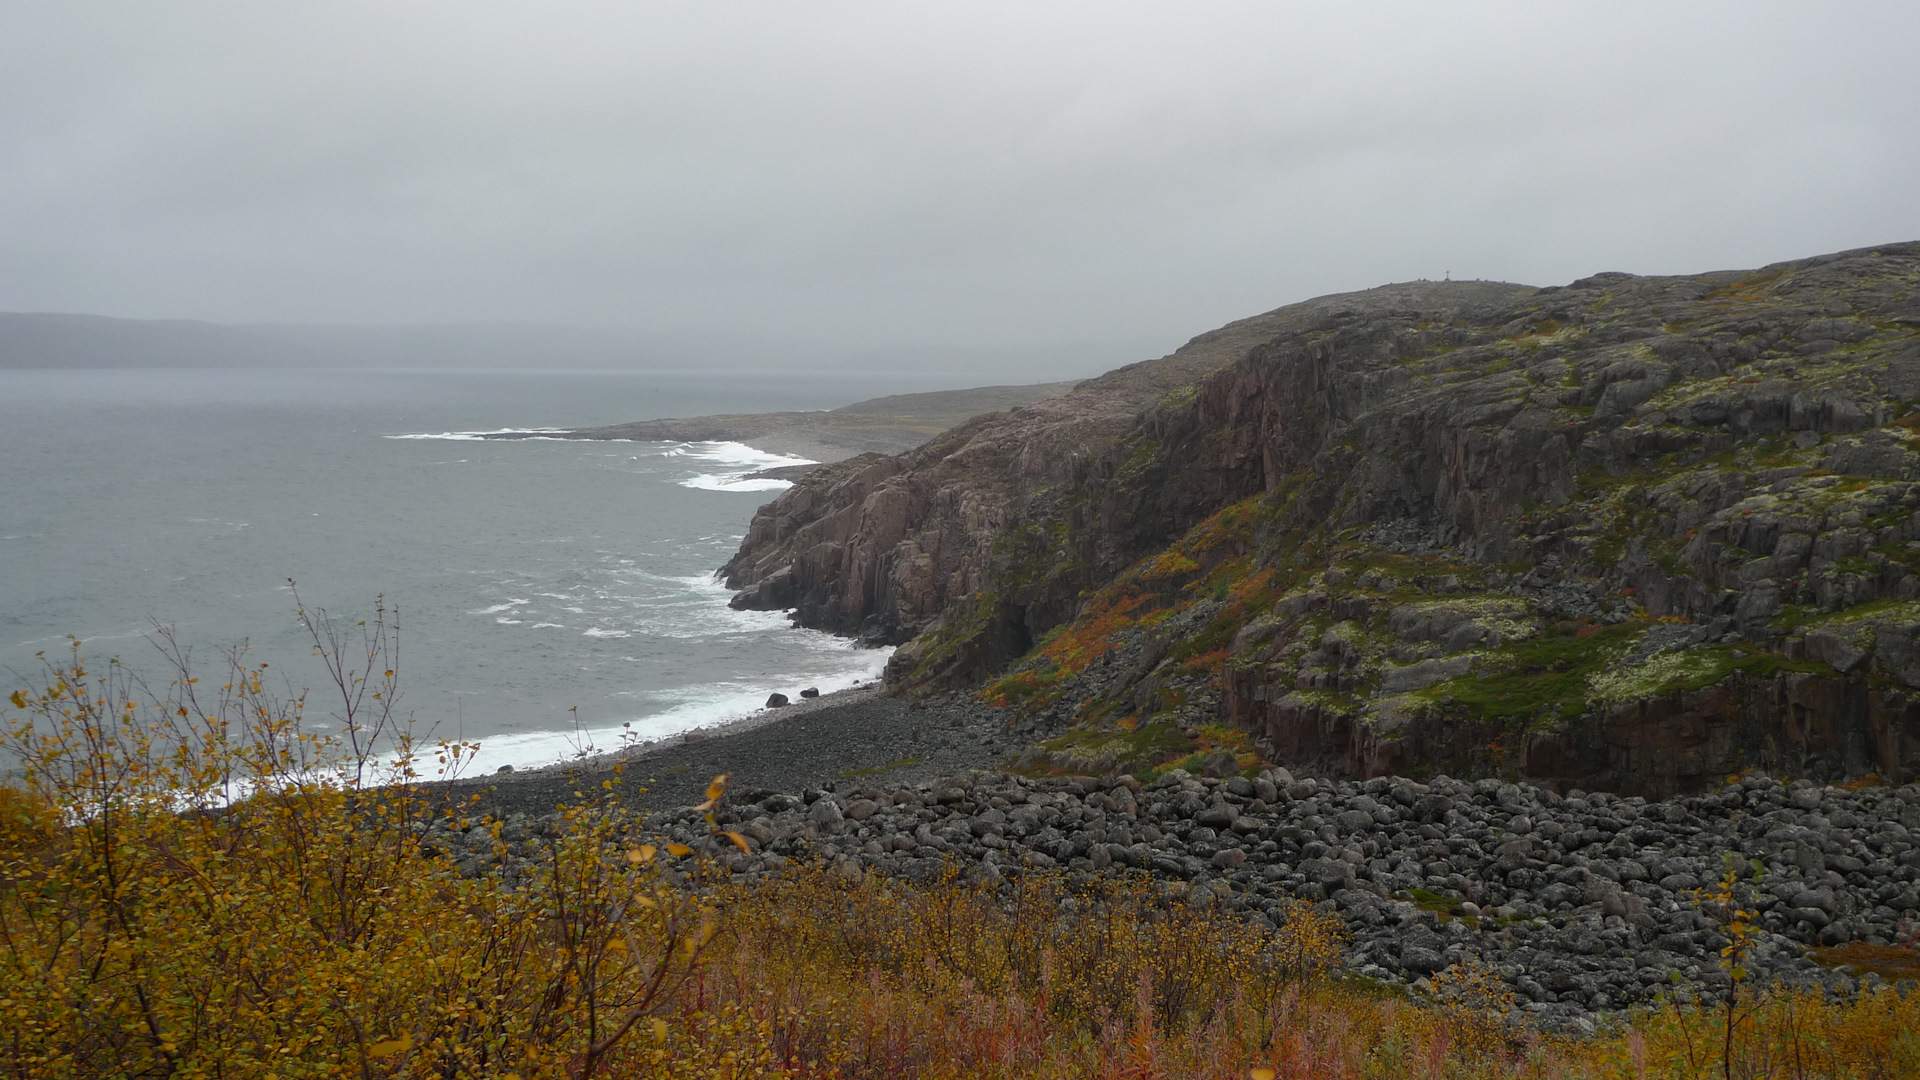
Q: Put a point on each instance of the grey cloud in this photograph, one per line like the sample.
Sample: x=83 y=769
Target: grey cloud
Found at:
x=959 y=176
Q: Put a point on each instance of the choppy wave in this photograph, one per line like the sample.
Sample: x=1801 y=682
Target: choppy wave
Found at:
x=641 y=606
x=553 y=535
x=476 y=436
x=734 y=463
x=697 y=707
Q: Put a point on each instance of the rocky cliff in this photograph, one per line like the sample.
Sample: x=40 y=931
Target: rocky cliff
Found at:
x=1633 y=531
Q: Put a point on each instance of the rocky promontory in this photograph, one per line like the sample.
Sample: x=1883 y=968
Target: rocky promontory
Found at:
x=1630 y=534
x=882 y=425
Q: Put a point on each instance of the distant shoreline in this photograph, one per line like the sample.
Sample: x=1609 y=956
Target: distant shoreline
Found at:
x=884 y=425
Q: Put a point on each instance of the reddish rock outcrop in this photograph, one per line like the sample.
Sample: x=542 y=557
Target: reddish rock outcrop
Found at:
x=1829 y=727
x=1720 y=470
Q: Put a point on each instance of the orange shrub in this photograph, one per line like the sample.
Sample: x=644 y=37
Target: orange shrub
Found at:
x=195 y=887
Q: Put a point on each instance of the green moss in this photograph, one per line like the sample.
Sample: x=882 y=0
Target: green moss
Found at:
x=1433 y=901
x=1683 y=671
x=959 y=625
x=1545 y=678
x=1180 y=396
x=1138 y=751
x=1889 y=610
x=1031 y=552
x=1142 y=454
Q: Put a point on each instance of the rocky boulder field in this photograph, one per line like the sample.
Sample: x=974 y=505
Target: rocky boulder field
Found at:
x=1583 y=903
x=1509 y=579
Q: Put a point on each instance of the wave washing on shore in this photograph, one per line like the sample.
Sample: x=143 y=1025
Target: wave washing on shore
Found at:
x=689 y=608
x=733 y=463
x=480 y=436
x=548 y=585
x=704 y=708
x=644 y=615
x=741 y=462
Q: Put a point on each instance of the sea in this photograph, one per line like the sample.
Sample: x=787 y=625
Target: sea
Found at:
x=553 y=596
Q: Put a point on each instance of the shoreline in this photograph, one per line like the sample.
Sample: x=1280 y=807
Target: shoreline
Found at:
x=603 y=761
x=857 y=737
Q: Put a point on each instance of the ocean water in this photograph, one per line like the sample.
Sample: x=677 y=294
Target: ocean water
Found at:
x=550 y=592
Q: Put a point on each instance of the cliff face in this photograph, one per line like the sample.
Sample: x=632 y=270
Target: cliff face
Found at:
x=986 y=536
x=1633 y=531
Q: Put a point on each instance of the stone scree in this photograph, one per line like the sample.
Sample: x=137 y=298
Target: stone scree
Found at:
x=1582 y=903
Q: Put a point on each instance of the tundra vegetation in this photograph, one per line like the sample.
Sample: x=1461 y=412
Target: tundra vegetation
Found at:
x=1632 y=534
x=1569 y=576
x=198 y=883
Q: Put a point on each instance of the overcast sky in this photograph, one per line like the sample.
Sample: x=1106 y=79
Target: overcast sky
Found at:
x=963 y=174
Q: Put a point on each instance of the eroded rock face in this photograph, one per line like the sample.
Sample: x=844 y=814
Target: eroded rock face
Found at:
x=987 y=536
x=1634 y=531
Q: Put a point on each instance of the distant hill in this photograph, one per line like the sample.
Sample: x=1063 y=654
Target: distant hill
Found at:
x=50 y=340
x=40 y=340
x=44 y=340
x=886 y=425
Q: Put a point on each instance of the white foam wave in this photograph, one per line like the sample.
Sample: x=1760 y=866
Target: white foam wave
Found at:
x=508 y=606
x=476 y=436
x=701 y=621
x=595 y=631
x=738 y=460
x=737 y=455
x=698 y=707
x=734 y=482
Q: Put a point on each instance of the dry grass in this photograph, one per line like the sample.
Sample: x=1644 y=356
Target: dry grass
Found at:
x=215 y=893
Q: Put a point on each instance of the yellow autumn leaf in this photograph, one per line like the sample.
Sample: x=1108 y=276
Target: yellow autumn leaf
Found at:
x=19 y=700
x=1262 y=1073
x=677 y=850
x=738 y=841
x=390 y=1047
x=718 y=787
x=642 y=854
x=659 y=1030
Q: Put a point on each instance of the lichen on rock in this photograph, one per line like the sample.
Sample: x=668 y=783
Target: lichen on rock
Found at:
x=1633 y=531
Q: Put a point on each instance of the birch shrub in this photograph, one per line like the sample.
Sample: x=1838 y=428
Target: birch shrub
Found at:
x=194 y=884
